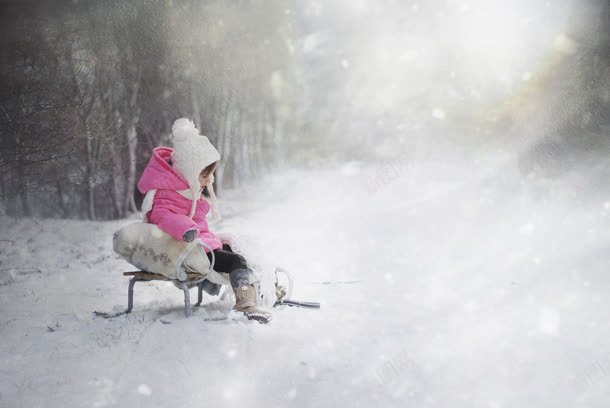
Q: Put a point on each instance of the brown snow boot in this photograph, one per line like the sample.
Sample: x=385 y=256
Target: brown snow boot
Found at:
x=245 y=302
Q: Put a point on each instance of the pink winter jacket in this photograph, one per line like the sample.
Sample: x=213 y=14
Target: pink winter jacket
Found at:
x=170 y=211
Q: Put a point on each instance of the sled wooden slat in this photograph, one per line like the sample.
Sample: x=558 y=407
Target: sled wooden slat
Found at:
x=156 y=276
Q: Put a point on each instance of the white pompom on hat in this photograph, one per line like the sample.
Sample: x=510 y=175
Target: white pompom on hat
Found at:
x=193 y=152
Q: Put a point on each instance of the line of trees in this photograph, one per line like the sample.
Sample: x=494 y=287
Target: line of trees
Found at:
x=89 y=87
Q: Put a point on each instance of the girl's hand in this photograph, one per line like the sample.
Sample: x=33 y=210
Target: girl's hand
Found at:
x=210 y=179
x=189 y=235
x=204 y=181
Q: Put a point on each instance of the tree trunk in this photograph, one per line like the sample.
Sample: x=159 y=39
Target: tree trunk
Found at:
x=60 y=198
x=23 y=195
x=224 y=145
x=195 y=107
x=132 y=143
x=90 y=175
x=118 y=180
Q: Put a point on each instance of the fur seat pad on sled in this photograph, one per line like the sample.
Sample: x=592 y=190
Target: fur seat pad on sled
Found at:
x=148 y=248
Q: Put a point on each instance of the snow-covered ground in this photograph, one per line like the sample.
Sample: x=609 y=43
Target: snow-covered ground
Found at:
x=440 y=286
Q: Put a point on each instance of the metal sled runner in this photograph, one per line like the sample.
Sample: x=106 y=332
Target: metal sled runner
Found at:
x=141 y=276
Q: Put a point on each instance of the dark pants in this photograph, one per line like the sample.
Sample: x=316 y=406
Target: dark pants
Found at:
x=226 y=260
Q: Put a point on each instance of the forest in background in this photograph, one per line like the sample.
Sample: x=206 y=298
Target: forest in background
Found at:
x=89 y=87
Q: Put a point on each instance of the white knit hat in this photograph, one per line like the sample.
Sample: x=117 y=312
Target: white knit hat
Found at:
x=192 y=153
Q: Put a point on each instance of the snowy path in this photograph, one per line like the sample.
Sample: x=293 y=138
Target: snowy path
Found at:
x=436 y=291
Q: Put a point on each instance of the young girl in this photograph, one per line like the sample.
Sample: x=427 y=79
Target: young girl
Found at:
x=173 y=182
